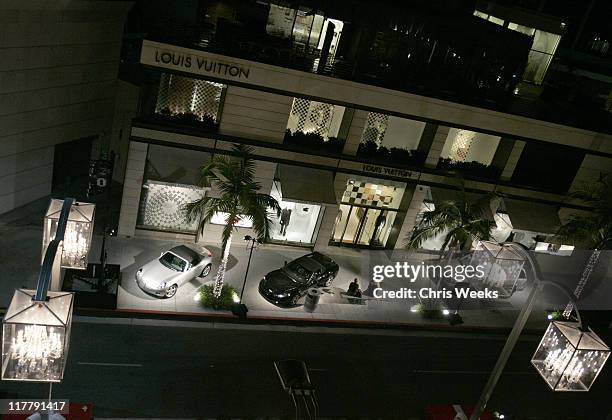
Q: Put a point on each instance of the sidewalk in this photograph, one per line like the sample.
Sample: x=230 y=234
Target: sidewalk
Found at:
x=21 y=233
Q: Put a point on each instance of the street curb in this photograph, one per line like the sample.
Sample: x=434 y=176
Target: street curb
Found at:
x=228 y=318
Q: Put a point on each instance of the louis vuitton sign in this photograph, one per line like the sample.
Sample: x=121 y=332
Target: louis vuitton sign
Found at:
x=190 y=61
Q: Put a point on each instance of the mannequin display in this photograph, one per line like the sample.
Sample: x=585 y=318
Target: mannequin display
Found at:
x=379 y=224
x=285 y=219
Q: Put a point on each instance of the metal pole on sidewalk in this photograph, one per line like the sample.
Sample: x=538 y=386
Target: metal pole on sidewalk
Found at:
x=252 y=241
x=519 y=324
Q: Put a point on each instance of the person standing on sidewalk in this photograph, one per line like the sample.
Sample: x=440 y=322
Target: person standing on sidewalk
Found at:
x=353 y=287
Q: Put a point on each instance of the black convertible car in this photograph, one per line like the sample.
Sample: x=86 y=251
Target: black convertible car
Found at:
x=285 y=286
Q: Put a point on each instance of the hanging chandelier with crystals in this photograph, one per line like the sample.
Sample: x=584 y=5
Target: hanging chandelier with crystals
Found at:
x=569 y=358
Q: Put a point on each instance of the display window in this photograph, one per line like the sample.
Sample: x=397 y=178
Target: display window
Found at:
x=367 y=214
x=189 y=99
x=469 y=146
x=297 y=222
x=162 y=206
x=169 y=183
x=314 y=117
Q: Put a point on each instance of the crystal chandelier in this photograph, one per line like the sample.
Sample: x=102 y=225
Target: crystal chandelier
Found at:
x=35 y=337
x=570 y=358
x=78 y=234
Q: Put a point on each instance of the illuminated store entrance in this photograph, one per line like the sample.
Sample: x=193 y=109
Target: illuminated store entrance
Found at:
x=367 y=214
x=301 y=193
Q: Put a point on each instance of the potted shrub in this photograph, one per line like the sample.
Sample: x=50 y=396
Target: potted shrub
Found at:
x=225 y=301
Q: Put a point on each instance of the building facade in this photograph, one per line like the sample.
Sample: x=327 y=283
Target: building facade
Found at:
x=352 y=164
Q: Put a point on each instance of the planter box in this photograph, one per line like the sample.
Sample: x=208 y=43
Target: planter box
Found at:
x=84 y=285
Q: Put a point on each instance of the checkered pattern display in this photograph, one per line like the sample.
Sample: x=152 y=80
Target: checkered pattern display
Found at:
x=365 y=193
x=163 y=203
x=461 y=145
x=181 y=95
x=375 y=128
x=312 y=116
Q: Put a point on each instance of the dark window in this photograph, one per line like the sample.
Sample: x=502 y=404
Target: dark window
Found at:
x=548 y=167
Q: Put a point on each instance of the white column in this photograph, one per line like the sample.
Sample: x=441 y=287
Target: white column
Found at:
x=513 y=159
x=590 y=170
x=327 y=227
x=436 y=146
x=411 y=215
x=132 y=186
x=355 y=132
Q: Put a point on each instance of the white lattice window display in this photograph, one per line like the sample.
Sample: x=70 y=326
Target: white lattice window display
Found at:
x=311 y=117
x=375 y=128
x=184 y=95
x=163 y=205
x=461 y=145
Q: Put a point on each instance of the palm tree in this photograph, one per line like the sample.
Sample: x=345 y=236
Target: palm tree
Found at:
x=593 y=231
x=462 y=220
x=239 y=198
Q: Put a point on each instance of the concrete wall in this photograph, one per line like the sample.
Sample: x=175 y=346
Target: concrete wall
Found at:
x=57 y=83
x=515 y=155
x=255 y=114
x=132 y=186
x=355 y=132
x=126 y=102
x=436 y=146
x=590 y=170
x=411 y=215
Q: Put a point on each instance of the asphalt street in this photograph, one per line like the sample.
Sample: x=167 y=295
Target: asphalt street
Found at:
x=175 y=370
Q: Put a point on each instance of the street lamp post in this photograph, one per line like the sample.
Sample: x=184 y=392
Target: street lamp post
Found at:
x=592 y=351
x=253 y=243
x=36 y=327
x=75 y=240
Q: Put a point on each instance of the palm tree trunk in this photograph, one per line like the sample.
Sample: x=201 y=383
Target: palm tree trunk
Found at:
x=220 y=277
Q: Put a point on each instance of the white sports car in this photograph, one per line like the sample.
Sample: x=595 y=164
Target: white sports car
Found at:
x=163 y=276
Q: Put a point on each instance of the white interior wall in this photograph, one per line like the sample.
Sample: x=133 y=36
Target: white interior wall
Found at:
x=403 y=133
x=482 y=149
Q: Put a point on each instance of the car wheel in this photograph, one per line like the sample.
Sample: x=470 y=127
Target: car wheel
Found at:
x=329 y=281
x=206 y=271
x=171 y=291
x=294 y=300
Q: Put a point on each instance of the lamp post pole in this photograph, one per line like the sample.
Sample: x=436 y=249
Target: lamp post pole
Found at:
x=50 y=263
x=519 y=324
x=253 y=242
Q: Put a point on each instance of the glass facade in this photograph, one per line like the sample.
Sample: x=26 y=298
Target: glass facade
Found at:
x=389 y=131
x=469 y=146
x=298 y=222
x=543 y=47
x=312 y=117
x=169 y=183
x=367 y=213
x=188 y=98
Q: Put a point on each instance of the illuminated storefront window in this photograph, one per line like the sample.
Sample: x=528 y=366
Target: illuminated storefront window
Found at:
x=367 y=213
x=298 y=221
x=312 y=117
x=469 y=146
x=169 y=183
x=189 y=99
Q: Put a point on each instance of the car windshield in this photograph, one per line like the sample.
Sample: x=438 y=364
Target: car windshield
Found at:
x=298 y=272
x=173 y=262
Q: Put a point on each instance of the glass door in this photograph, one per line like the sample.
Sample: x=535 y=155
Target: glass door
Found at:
x=363 y=226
